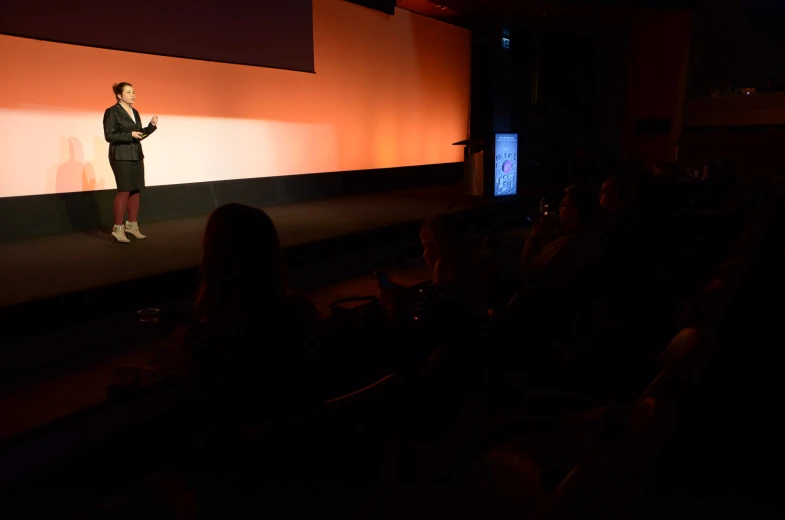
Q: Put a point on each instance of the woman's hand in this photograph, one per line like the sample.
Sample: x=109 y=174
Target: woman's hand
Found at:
x=137 y=135
x=154 y=121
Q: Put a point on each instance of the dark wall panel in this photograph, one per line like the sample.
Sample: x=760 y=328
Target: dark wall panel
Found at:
x=263 y=33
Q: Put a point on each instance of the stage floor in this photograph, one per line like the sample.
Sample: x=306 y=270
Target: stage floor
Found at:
x=46 y=267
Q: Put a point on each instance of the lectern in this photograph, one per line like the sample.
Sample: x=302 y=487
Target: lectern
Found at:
x=490 y=166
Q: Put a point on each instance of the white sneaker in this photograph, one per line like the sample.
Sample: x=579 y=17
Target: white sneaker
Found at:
x=132 y=228
x=118 y=234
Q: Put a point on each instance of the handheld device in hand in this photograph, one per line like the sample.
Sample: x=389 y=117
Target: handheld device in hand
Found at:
x=544 y=207
x=384 y=280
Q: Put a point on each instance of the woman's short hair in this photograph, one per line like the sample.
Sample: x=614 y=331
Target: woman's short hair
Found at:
x=117 y=88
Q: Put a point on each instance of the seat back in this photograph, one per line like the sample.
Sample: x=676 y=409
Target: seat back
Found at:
x=606 y=484
x=351 y=436
x=680 y=347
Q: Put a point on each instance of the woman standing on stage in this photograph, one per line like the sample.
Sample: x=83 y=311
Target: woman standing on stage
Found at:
x=124 y=133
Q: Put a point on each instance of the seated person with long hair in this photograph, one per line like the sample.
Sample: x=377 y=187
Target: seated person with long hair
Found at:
x=246 y=356
x=457 y=296
x=437 y=331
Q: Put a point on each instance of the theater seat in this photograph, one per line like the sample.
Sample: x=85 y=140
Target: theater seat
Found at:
x=679 y=347
x=608 y=482
x=551 y=468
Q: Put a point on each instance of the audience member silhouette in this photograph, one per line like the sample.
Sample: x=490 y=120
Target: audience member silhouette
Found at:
x=559 y=274
x=621 y=221
x=716 y=184
x=458 y=290
x=439 y=329
x=246 y=354
x=555 y=260
x=666 y=193
x=614 y=196
x=615 y=202
x=639 y=181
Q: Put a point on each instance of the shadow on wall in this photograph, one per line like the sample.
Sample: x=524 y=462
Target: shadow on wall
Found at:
x=75 y=186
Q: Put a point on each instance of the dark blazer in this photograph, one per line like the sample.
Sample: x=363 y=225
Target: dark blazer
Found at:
x=118 y=126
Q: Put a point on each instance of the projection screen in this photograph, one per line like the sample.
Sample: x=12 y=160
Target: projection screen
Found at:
x=387 y=92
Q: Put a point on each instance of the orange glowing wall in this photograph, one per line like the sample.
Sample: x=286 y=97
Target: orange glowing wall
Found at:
x=389 y=91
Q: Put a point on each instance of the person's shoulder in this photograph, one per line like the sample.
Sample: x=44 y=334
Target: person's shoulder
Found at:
x=110 y=110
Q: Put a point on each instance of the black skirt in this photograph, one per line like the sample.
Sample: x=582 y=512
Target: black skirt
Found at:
x=129 y=175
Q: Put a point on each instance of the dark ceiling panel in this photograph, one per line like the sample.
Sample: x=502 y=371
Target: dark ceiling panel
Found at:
x=467 y=12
